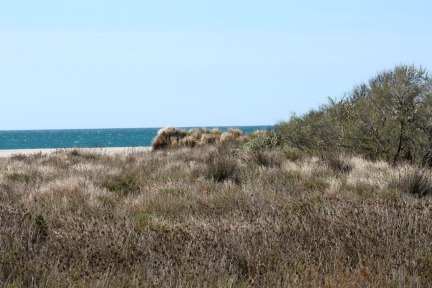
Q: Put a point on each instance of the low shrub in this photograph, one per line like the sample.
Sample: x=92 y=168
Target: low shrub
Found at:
x=123 y=185
x=261 y=140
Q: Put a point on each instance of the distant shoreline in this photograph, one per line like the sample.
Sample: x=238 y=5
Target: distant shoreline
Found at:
x=93 y=138
x=110 y=150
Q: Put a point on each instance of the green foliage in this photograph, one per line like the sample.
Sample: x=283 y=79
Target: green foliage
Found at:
x=123 y=185
x=261 y=140
x=388 y=118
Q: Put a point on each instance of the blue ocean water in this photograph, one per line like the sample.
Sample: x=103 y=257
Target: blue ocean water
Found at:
x=89 y=138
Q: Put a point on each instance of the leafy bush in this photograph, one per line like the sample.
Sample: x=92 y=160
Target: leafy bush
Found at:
x=388 y=118
x=261 y=140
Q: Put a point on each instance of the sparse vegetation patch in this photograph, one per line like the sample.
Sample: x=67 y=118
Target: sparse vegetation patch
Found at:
x=212 y=216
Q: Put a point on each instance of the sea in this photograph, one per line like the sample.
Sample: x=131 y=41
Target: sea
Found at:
x=91 y=138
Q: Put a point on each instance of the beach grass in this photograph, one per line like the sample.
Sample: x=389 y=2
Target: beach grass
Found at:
x=212 y=216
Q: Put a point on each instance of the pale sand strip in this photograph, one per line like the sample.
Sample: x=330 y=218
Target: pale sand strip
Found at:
x=111 y=150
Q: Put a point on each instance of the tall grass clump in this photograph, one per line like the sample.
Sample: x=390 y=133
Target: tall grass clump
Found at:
x=211 y=138
x=171 y=137
x=417 y=182
x=233 y=136
x=168 y=137
x=223 y=167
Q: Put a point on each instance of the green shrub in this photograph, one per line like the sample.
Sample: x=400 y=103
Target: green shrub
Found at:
x=123 y=185
x=387 y=118
x=261 y=140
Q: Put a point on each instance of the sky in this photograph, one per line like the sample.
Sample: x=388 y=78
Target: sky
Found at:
x=153 y=63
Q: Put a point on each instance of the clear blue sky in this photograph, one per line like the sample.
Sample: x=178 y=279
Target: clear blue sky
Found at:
x=152 y=63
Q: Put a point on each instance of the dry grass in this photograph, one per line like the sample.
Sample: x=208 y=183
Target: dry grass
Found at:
x=209 y=217
x=171 y=137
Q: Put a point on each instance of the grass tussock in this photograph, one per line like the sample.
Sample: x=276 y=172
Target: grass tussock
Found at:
x=212 y=216
x=415 y=182
x=168 y=137
x=171 y=137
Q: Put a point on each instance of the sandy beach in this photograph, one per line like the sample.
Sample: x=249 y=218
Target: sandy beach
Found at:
x=112 y=150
